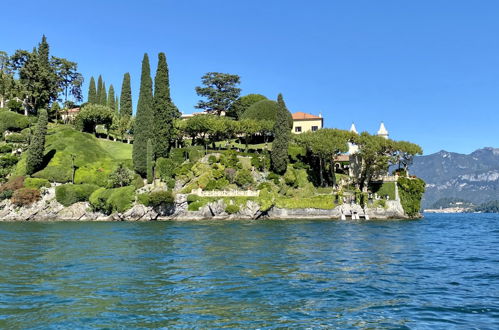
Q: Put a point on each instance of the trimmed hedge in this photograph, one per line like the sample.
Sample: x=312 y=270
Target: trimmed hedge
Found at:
x=36 y=183
x=113 y=200
x=68 y=194
x=11 y=121
x=5 y=148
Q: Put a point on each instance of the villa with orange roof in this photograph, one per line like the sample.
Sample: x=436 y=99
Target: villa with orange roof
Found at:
x=305 y=122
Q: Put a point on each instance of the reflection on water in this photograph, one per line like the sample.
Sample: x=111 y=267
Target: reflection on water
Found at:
x=439 y=272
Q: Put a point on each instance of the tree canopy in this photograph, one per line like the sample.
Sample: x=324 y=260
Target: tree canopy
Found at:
x=243 y=103
x=220 y=92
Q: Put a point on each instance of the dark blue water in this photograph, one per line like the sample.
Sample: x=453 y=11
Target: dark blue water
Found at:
x=440 y=272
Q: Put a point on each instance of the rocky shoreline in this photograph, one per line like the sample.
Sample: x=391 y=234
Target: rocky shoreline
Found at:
x=48 y=209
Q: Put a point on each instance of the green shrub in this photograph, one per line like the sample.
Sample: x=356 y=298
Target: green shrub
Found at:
x=170 y=183
x=195 y=206
x=195 y=153
x=143 y=199
x=113 y=200
x=165 y=168
x=274 y=177
x=183 y=170
x=138 y=182
x=230 y=160
x=290 y=177
x=317 y=202
x=16 y=138
x=68 y=194
x=295 y=152
x=25 y=196
x=243 y=178
x=192 y=198
x=5 y=148
x=11 y=121
x=177 y=156
x=158 y=198
x=217 y=184
x=6 y=194
x=411 y=192
x=8 y=160
x=36 y=183
x=120 y=177
x=232 y=209
x=212 y=159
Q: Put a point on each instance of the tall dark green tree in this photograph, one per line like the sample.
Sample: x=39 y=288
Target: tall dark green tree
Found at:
x=282 y=135
x=110 y=98
x=99 y=89
x=116 y=105
x=34 y=157
x=92 y=92
x=144 y=120
x=150 y=161
x=37 y=75
x=126 y=97
x=165 y=112
x=103 y=96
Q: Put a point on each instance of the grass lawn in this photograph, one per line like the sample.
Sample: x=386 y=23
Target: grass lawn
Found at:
x=94 y=158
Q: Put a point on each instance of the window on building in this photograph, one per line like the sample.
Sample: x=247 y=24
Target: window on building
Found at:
x=298 y=129
x=315 y=128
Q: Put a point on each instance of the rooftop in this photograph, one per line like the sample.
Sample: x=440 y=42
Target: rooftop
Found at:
x=303 y=115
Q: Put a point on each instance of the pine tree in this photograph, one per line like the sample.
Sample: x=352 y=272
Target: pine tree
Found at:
x=103 y=97
x=92 y=93
x=110 y=98
x=34 y=157
x=165 y=111
x=282 y=134
x=144 y=119
x=126 y=97
x=150 y=161
x=99 y=90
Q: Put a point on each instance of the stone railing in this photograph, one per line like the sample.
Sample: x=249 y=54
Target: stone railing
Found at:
x=386 y=178
x=225 y=193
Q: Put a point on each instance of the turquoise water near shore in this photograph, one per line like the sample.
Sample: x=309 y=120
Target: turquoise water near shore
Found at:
x=439 y=272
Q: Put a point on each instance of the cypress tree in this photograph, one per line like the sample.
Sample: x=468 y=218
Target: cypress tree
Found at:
x=165 y=111
x=99 y=90
x=150 y=161
x=117 y=105
x=103 y=97
x=34 y=157
x=110 y=98
x=92 y=93
x=144 y=119
x=282 y=134
x=126 y=97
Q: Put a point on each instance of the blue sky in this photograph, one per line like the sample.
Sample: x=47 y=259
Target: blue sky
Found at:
x=429 y=68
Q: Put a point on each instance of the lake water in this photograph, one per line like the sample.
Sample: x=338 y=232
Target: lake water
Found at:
x=439 y=272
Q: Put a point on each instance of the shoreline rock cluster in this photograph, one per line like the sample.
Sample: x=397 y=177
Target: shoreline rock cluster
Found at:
x=48 y=209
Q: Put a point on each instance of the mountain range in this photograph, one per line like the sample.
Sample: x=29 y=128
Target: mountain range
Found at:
x=473 y=177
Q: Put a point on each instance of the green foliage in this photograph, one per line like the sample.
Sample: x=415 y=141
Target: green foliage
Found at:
x=36 y=183
x=34 y=157
x=138 y=182
x=384 y=189
x=16 y=138
x=25 y=196
x=488 y=207
x=165 y=168
x=244 y=178
x=7 y=161
x=94 y=158
x=232 y=209
x=296 y=151
x=219 y=184
x=110 y=98
x=243 y=103
x=266 y=110
x=5 y=148
x=165 y=112
x=126 y=108
x=144 y=121
x=220 y=91
x=150 y=162
x=11 y=121
x=92 y=92
x=411 y=192
x=192 y=198
x=195 y=206
x=92 y=115
x=282 y=135
x=8 y=188
x=274 y=177
x=120 y=177
x=159 y=198
x=112 y=200
x=194 y=154
x=212 y=159
x=68 y=194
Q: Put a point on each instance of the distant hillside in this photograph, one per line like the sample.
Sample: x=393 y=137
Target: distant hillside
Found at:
x=473 y=177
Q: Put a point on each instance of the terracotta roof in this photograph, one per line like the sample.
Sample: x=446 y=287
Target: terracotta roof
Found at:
x=73 y=110
x=303 y=115
x=342 y=158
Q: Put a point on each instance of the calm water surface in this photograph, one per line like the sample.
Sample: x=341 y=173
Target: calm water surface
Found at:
x=440 y=272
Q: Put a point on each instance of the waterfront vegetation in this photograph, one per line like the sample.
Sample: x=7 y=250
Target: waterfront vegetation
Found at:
x=112 y=159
